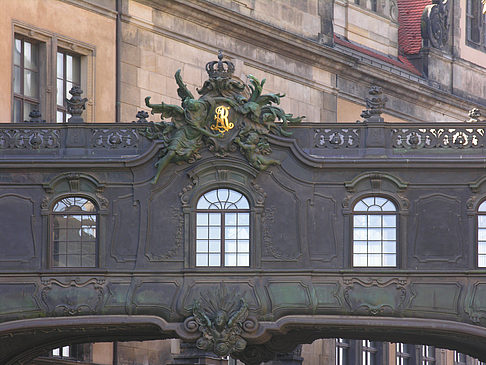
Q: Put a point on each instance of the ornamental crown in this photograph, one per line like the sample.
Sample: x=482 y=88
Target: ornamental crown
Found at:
x=220 y=68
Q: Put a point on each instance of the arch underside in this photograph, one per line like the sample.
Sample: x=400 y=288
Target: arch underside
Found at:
x=23 y=340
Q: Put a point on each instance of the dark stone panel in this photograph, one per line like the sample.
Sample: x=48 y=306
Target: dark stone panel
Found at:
x=327 y=296
x=165 y=222
x=73 y=297
x=476 y=303
x=438 y=298
x=126 y=229
x=116 y=297
x=287 y=295
x=438 y=234
x=282 y=222
x=154 y=297
x=321 y=223
x=17 y=298
x=375 y=297
x=17 y=224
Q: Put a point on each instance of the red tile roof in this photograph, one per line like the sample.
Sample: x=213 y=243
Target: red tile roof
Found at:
x=409 y=15
x=402 y=62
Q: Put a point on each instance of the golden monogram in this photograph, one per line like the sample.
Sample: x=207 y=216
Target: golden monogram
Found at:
x=222 y=124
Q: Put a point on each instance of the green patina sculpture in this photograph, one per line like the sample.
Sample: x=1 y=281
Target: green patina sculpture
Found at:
x=228 y=114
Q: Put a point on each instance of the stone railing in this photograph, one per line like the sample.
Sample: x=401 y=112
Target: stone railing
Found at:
x=97 y=140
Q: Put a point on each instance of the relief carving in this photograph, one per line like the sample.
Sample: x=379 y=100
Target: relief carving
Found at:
x=72 y=298
x=375 y=297
x=31 y=139
x=269 y=215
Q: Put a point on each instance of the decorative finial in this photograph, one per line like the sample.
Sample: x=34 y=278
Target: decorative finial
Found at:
x=224 y=69
x=375 y=102
x=141 y=116
x=35 y=116
x=76 y=105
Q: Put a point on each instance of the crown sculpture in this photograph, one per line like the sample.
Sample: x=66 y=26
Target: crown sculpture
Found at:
x=227 y=116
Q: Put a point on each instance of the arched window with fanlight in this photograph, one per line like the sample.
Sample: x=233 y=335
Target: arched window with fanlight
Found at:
x=223 y=229
x=374 y=232
x=74 y=226
x=482 y=234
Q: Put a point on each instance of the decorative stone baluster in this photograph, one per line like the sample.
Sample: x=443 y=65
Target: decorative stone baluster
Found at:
x=76 y=105
x=375 y=131
x=141 y=116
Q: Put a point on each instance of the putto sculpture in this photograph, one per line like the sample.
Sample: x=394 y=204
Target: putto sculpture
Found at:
x=228 y=115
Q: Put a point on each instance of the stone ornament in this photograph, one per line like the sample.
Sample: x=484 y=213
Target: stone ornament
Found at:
x=76 y=105
x=375 y=102
x=228 y=115
x=435 y=24
x=221 y=317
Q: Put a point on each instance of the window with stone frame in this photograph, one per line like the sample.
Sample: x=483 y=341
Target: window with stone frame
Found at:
x=74 y=228
x=374 y=233
x=475 y=24
x=223 y=229
x=26 y=77
x=68 y=75
x=42 y=58
x=78 y=352
x=368 y=352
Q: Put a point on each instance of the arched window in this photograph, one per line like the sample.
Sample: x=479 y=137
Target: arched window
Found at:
x=482 y=235
x=223 y=229
x=74 y=233
x=374 y=233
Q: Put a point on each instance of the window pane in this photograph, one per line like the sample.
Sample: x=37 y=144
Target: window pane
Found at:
x=360 y=207
x=214 y=246
x=69 y=86
x=17 y=110
x=389 y=260
x=215 y=232
x=60 y=65
x=482 y=234
x=230 y=246
x=389 y=233
x=243 y=219
x=243 y=260
x=360 y=247
x=374 y=247
x=30 y=56
x=230 y=259
x=59 y=117
x=214 y=219
x=202 y=246
x=28 y=107
x=360 y=234
x=17 y=80
x=31 y=86
x=374 y=260
x=389 y=207
x=389 y=221
x=389 y=247
x=214 y=259
x=360 y=260
x=230 y=219
x=73 y=69
x=17 y=51
x=60 y=93
x=230 y=233
x=244 y=246
x=243 y=233
x=201 y=260
x=482 y=207
x=202 y=232
x=374 y=233
x=482 y=261
x=359 y=220
x=74 y=260
x=374 y=220
x=482 y=221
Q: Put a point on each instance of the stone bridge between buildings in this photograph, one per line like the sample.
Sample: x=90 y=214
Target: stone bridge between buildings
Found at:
x=303 y=280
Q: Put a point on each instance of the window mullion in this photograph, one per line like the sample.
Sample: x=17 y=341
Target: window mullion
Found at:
x=223 y=239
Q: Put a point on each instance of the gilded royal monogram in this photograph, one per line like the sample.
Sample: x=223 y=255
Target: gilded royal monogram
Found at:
x=222 y=125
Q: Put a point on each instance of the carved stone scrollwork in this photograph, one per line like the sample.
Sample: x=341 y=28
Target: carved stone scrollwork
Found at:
x=222 y=319
x=375 y=297
x=32 y=139
x=337 y=138
x=435 y=24
x=72 y=298
x=114 y=138
x=455 y=138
